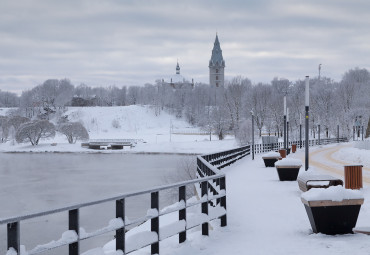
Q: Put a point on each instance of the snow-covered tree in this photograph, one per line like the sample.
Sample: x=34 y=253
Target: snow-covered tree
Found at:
x=74 y=131
x=17 y=121
x=35 y=130
x=4 y=128
x=244 y=133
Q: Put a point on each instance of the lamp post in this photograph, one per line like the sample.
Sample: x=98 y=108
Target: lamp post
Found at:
x=319 y=125
x=252 y=135
x=307 y=107
x=362 y=132
x=354 y=132
x=338 y=133
x=285 y=122
x=300 y=131
x=287 y=127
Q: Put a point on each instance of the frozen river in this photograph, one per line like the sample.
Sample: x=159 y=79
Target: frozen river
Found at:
x=32 y=182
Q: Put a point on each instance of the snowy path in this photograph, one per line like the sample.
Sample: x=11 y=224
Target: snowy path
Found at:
x=266 y=216
x=322 y=159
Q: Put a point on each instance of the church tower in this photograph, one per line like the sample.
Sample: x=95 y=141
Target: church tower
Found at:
x=177 y=68
x=216 y=66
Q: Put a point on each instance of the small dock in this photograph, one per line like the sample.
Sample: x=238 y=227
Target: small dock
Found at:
x=110 y=144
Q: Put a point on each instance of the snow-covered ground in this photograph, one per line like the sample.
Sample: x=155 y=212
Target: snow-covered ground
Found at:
x=265 y=216
x=130 y=122
x=354 y=155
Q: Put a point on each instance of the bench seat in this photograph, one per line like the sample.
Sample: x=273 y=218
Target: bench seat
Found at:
x=307 y=182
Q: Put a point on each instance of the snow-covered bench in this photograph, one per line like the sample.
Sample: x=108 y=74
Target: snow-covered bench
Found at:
x=306 y=182
x=114 y=144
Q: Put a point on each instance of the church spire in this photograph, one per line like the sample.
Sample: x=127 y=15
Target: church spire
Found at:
x=216 y=58
x=216 y=65
x=177 y=68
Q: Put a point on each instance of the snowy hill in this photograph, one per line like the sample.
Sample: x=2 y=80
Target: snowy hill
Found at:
x=162 y=133
x=133 y=121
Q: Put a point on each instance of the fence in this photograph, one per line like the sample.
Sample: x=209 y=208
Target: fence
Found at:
x=364 y=145
x=212 y=185
x=206 y=215
x=260 y=148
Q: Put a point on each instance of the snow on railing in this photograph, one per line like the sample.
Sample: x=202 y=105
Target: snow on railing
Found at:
x=75 y=234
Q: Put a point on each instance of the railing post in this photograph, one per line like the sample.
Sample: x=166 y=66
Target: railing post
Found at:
x=74 y=224
x=13 y=236
x=120 y=233
x=223 y=201
x=155 y=222
x=182 y=212
x=205 y=207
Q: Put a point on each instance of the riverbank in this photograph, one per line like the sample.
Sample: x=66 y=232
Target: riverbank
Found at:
x=190 y=145
x=161 y=133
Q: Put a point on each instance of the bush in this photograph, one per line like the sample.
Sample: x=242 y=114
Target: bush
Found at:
x=243 y=134
x=116 y=124
x=33 y=131
x=73 y=131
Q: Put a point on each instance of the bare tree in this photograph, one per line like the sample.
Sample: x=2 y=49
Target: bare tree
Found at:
x=17 y=121
x=4 y=128
x=33 y=131
x=73 y=131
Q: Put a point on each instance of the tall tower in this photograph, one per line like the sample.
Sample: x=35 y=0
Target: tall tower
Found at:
x=216 y=66
x=177 y=68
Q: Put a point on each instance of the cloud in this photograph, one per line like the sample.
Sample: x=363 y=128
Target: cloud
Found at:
x=102 y=43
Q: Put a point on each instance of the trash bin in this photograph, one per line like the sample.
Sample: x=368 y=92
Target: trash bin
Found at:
x=282 y=153
x=294 y=148
x=353 y=176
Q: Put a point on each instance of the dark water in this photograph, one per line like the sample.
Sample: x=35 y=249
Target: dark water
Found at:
x=36 y=182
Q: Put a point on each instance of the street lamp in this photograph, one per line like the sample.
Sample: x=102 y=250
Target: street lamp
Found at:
x=300 y=131
x=287 y=127
x=252 y=134
x=319 y=126
x=307 y=106
x=285 y=122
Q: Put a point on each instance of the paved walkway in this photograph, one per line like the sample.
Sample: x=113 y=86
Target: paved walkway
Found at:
x=266 y=216
x=322 y=159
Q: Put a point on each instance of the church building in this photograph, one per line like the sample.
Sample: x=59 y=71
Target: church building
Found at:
x=216 y=66
x=178 y=81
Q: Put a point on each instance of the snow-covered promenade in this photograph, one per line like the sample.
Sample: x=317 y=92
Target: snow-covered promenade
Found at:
x=266 y=216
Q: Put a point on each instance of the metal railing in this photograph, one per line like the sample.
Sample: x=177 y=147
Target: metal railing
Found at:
x=260 y=148
x=212 y=183
x=13 y=224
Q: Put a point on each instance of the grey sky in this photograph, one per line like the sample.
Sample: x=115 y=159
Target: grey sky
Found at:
x=104 y=43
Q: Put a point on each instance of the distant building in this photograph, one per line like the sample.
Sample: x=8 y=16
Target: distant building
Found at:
x=216 y=66
x=178 y=81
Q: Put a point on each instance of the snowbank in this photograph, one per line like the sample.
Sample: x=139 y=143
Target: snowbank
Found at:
x=333 y=193
x=353 y=155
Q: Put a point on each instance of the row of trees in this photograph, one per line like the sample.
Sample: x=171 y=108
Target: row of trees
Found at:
x=23 y=129
x=225 y=109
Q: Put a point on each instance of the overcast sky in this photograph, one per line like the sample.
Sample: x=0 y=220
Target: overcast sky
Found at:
x=104 y=43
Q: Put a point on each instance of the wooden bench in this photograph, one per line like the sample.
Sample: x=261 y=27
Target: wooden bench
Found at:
x=110 y=145
x=307 y=182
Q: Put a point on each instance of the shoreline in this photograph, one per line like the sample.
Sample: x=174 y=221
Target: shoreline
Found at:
x=108 y=152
